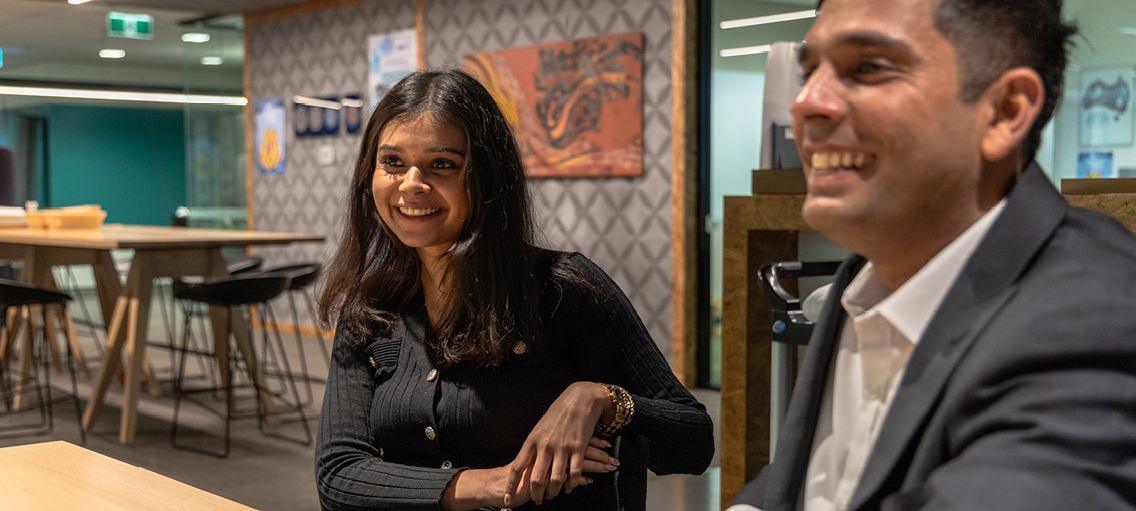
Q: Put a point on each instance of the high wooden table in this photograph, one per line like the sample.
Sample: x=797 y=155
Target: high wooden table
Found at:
x=59 y=475
x=759 y=230
x=158 y=252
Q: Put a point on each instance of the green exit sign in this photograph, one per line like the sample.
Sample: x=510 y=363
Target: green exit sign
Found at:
x=131 y=26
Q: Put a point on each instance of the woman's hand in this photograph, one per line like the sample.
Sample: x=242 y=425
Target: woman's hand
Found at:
x=478 y=488
x=561 y=447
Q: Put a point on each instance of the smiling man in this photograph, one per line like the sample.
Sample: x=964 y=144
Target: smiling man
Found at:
x=979 y=353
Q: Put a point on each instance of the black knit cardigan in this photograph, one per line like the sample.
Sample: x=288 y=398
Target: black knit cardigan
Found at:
x=392 y=434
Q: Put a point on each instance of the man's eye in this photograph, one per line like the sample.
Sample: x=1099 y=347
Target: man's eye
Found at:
x=806 y=73
x=870 y=71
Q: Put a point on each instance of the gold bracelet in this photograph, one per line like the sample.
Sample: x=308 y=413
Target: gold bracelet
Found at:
x=624 y=409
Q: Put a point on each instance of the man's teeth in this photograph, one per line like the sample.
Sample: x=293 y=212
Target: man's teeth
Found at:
x=418 y=212
x=845 y=160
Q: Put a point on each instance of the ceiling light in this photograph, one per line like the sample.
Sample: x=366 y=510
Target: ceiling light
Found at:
x=352 y=102
x=112 y=54
x=211 y=61
x=1127 y=30
x=195 y=37
x=157 y=97
x=764 y=20
x=748 y=50
x=77 y=2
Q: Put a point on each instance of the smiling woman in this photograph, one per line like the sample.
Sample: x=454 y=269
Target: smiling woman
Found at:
x=472 y=368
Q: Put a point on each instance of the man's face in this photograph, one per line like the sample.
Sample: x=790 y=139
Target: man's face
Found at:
x=891 y=155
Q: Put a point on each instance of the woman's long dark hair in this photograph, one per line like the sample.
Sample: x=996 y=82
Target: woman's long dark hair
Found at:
x=493 y=300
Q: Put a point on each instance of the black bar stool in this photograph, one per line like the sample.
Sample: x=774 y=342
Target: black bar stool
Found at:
x=237 y=266
x=34 y=357
x=301 y=276
x=233 y=294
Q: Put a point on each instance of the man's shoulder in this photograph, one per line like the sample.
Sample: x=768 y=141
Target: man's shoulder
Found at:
x=1083 y=277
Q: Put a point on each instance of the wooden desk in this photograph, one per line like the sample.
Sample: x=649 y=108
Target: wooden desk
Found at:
x=759 y=230
x=158 y=252
x=59 y=475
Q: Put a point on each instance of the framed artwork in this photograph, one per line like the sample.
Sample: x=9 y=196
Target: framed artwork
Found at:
x=315 y=116
x=391 y=56
x=1106 y=107
x=269 y=136
x=352 y=112
x=1095 y=164
x=576 y=106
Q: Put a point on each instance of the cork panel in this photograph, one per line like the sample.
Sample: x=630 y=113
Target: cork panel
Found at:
x=758 y=230
x=1121 y=206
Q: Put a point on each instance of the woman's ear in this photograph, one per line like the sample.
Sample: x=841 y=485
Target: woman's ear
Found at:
x=1015 y=100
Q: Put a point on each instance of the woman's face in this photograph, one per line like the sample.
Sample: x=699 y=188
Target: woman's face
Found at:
x=418 y=184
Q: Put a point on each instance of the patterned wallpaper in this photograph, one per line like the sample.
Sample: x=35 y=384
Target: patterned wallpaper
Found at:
x=316 y=54
x=623 y=224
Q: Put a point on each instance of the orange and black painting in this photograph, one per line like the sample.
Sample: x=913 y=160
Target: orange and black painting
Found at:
x=576 y=106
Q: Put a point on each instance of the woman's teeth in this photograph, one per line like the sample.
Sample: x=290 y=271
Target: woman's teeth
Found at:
x=840 y=160
x=419 y=212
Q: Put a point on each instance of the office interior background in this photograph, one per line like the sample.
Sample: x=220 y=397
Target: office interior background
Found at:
x=142 y=160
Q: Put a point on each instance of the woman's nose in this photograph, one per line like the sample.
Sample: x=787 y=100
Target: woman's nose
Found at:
x=412 y=182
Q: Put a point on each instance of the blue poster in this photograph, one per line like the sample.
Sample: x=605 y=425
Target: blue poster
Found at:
x=1097 y=164
x=269 y=140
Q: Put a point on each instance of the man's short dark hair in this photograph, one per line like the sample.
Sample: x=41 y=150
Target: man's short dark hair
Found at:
x=995 y=36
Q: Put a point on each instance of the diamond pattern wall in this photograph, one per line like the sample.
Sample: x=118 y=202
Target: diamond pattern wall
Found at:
x=317 y=54
x=623 y=224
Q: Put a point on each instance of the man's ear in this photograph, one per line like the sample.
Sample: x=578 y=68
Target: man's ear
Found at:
x=1015 y=100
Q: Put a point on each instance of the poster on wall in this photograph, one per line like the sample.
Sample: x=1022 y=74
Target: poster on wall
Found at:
x=576 y=106
x=1106 y=107
x=352 y=112
x=392 y=56
x=315 y=116
x=1095 y=164
x=270 y=136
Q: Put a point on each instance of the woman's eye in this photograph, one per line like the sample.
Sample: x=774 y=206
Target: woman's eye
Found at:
x=443 y=164
x=389 y=163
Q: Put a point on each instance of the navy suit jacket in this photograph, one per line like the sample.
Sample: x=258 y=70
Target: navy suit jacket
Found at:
x=1021 y=394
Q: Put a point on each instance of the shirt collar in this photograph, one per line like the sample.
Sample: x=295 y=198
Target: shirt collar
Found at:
x=910 y=308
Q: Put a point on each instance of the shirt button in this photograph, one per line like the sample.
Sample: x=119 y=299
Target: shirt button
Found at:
x=520 y=348
x=433 y=375
x=447 y=465
x=430 y=434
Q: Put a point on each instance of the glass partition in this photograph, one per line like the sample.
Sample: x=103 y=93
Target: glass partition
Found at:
x=214 y=134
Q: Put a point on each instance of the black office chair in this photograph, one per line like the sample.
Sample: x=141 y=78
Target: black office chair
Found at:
x=35 y=359
x=234 y=294
x=301 y=276
x=789 y=323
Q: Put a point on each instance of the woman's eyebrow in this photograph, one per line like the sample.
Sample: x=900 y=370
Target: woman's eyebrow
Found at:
x=451 y=150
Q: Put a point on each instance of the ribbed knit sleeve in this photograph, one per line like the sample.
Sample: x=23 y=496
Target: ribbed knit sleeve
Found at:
x=609 y=330
x=350 y=471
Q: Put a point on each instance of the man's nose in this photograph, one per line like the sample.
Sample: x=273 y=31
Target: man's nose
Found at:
x=413 y=182
x=821 y=101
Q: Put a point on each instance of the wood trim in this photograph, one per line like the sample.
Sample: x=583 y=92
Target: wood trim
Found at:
x=684 y=190
x=420 y=27
x=246 y=80
x=297 y=9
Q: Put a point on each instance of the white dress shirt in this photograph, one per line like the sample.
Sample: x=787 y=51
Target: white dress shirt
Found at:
x=879 y=335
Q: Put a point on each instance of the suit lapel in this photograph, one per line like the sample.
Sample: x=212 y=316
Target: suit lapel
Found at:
x=1033 y=211
x=796 y=440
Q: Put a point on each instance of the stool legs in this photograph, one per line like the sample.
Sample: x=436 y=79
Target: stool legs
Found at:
x=35 y=356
